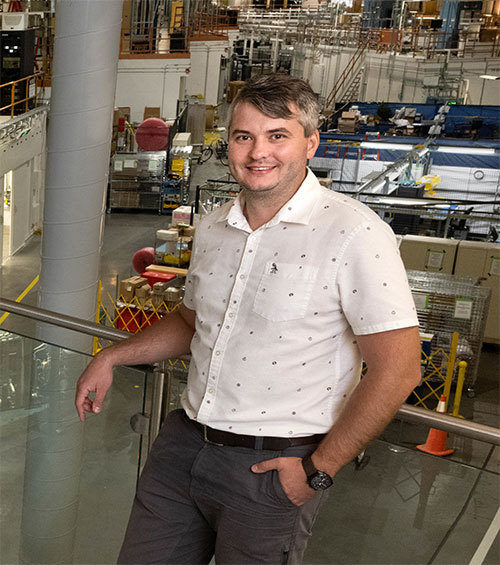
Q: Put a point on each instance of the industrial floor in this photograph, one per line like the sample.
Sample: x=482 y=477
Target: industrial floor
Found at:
x=399 y=506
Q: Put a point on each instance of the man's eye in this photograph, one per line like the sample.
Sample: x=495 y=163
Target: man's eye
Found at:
x=242 y=138
x=278 y=136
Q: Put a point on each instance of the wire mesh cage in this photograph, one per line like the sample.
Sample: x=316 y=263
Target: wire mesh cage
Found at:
x=450 y=303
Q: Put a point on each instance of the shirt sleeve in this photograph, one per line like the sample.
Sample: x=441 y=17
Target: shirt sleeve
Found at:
x=373 y=287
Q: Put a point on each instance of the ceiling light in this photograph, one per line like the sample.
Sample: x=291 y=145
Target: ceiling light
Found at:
x=466 y=150
x=489 y=77
x=381 y=145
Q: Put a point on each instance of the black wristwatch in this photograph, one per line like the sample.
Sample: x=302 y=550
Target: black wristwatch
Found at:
x=318 y=480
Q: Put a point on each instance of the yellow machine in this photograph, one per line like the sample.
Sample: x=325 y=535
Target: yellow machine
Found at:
x=430 y=182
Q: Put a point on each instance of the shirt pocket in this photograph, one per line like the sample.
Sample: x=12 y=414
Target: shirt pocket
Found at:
x=284 y=291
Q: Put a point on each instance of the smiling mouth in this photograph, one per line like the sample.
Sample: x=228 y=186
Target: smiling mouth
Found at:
x=261 y=169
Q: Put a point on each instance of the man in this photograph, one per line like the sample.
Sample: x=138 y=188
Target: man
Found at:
x=290 y=286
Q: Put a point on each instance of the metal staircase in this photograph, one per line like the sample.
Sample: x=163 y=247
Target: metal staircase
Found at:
x=348 y=78
x=353 y=90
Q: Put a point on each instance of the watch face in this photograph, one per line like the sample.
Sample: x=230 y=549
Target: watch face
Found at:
x=320 y=481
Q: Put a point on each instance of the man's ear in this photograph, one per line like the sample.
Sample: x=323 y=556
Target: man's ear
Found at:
x=312 y=144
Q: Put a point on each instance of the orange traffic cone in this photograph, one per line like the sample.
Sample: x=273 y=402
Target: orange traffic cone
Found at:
x=436 y=440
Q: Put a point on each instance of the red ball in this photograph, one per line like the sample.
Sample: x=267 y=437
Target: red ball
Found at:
x=152 y=135
x=143 y=258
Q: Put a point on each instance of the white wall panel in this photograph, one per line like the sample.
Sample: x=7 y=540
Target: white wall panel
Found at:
x=20 y=222
x=26 y=158
x=205 y=69
x=401 y=78
x=462 y=180
x=150 y=82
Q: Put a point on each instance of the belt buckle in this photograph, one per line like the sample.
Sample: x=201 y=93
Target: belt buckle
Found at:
x=206 y=440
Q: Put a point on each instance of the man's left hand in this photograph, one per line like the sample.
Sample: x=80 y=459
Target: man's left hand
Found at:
x=292 y=477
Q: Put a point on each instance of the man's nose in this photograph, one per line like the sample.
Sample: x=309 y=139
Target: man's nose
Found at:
x=259 y=149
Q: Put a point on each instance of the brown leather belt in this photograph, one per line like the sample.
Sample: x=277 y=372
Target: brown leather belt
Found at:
x=221 y=438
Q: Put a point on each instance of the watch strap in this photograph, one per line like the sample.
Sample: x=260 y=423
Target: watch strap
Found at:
x=308 y=466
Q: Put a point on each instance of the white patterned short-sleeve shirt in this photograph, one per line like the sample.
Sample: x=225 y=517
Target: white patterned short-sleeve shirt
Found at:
x=278 y=310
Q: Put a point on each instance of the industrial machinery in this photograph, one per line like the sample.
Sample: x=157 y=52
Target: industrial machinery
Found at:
x=17 y=60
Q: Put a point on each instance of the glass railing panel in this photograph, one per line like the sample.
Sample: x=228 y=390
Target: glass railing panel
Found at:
x=61 y=480
x=111 y=460
x=467 y=451
x=404 y=507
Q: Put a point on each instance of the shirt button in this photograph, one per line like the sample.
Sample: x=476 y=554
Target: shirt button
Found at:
x=242 y=276
x=211 y=390
x=231 y=315
x=217 y=353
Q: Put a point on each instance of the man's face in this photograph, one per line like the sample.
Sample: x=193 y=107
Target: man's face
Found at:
x=268 y=155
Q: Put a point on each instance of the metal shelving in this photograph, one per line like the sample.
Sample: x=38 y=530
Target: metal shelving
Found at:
x=451 y=303
x=136 y=180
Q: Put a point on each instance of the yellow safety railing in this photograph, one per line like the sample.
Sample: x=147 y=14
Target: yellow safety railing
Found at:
x=462 y=367
x=135 y=315
x=30 y=81
x=132 y=316
x=439 y=377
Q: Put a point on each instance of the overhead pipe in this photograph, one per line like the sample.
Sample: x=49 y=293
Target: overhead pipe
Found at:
x=86 y=49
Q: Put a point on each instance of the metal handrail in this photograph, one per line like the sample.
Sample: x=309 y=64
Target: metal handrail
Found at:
x=27 y=98
x=447 y=423
x=409 y=413
x=62 y=320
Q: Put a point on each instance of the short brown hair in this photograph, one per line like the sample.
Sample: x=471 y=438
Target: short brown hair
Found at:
x=275 y=94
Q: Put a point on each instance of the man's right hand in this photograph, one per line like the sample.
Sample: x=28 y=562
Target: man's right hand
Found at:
x=97 y=378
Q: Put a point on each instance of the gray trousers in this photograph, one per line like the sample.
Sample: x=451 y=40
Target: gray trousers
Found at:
x=196 y=500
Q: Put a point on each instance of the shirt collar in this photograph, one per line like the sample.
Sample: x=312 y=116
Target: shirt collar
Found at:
x=297 y=210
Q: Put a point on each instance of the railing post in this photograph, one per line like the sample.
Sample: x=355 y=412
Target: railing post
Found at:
x=462 y=367
x=451 y=366
x=157 y=402
x=12 y=98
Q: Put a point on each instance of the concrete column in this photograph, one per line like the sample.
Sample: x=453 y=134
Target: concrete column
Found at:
x=78 y=143
x=79 y=135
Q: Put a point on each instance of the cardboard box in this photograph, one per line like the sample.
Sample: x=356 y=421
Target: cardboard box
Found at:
x=209 y=116
x=347 y=126
x=121 y=113
x=157 y=300
x=151 y=112
x=186 y=231
x=181 y=139
x=349 y=116
x=182 y=214
x=123 y=199
x=160 y=287
x=129 y=286
x=143 y=294
x=233 y=87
